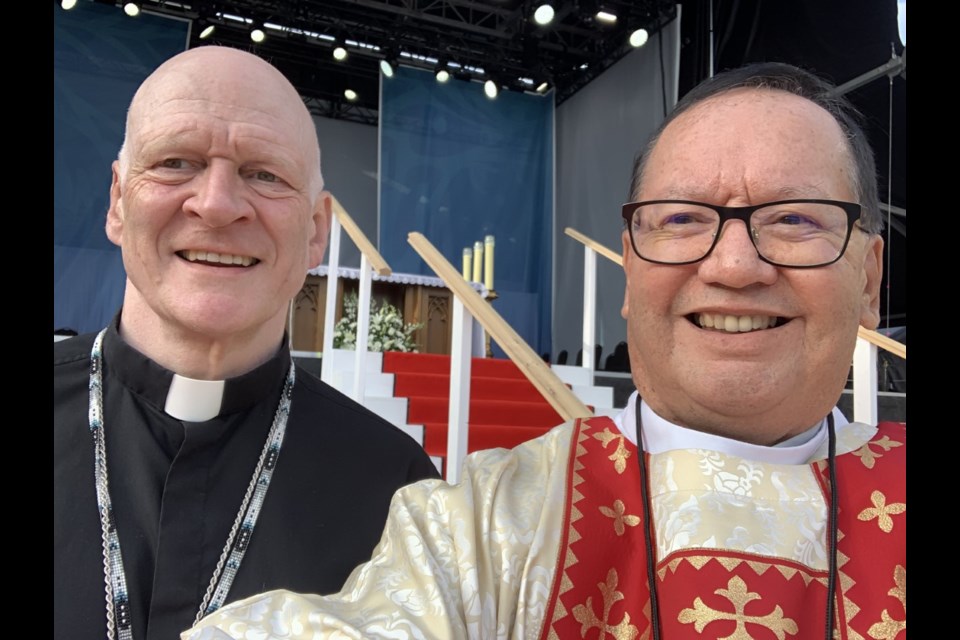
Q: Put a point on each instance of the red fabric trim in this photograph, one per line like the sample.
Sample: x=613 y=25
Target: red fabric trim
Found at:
x=564 y=531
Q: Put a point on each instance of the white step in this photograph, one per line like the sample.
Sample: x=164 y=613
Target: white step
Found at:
x=574 y=376
x=377 y=389
x=394 y=411
x=344 y=360
x=597 y=397
x=375 y=383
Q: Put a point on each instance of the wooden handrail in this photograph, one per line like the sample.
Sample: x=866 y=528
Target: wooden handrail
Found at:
x=377 y=263
x=533 y=367
x=596 y=246
x=882 y=341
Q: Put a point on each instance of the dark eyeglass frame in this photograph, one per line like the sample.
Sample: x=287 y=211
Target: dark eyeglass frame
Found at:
x=852 y=209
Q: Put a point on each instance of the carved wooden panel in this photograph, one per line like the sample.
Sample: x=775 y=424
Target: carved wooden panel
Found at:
x=430 y=306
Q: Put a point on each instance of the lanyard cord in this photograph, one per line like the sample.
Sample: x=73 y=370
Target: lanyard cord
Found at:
x=119 y=624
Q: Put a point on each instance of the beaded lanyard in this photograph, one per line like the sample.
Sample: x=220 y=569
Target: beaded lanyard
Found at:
x=648 y=534
x=116 y=594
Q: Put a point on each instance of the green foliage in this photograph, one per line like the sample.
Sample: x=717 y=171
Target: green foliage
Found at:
x=387 y=332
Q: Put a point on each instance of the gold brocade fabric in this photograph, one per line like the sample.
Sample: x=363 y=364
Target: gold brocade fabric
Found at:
x=546 y=541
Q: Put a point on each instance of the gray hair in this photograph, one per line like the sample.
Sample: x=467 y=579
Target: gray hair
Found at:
x=784 y=77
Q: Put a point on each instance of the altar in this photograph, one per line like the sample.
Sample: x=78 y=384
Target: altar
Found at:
x=421 y=299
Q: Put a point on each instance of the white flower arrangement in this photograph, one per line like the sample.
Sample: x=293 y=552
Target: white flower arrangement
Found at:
x=387 y=332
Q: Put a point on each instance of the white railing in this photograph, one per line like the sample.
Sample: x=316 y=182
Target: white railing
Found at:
x=864 y=355
x=865 y=372
x=591 y=249
x=467 y=302
x=370 y=261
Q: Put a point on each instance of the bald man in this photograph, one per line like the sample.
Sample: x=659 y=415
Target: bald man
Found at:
x=194 y=463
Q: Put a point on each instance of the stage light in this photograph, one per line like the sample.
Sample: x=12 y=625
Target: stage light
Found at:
x=606 y=16
x=639 y=38
x=206 y=28
x=441 y=72
x=544 y=14
x=543 y=87
x=387 y=67
x=68 y=4
x=491 y=89
x=350 y=94
x=132 y=9
x=257 y=35
x=339 y=53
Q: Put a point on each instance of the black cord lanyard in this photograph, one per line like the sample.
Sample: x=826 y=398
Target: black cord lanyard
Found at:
x=648 y=529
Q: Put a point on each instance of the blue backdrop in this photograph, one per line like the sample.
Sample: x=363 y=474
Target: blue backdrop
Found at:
x=100 y=57
x=458 y=166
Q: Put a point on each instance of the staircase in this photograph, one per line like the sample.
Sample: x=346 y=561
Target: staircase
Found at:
x=411 y=390
x=505 y=408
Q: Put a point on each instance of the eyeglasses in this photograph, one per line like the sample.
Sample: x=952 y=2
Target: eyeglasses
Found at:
x=787 y=233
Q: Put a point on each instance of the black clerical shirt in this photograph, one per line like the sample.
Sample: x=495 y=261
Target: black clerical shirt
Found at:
x=176 y=488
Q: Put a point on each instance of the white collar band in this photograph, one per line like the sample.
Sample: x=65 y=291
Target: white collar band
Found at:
x=194 y=400
x=659 y=436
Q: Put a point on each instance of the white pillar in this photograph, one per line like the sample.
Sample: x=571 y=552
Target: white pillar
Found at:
x=290 y=323
x=363 y=327
x=459 y=414
x=589 y=308
x=330 y=311
x=865 y=382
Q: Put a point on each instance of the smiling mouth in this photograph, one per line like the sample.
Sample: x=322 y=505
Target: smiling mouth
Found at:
x=735 y=324
x=218 y=259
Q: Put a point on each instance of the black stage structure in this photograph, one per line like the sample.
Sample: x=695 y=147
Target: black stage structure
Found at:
x=853 y=43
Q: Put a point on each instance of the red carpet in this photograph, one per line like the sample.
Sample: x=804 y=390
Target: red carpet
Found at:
x=505 y=407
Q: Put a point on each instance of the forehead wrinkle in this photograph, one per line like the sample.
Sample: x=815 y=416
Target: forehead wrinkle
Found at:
x=206 y=74
x=733 y=171
x=179 y=124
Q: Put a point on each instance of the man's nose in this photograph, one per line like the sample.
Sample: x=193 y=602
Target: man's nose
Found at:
x=734 y=261
x=220 y=198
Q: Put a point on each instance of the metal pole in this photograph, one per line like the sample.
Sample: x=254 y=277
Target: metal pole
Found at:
x=363 y=327
x=330 y=311
x=589 y=308
x=459 y=412
x=865 y=382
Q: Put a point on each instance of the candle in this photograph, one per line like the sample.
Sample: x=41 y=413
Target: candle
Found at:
x=488 y=263
x=477 y=261
x=467 y=259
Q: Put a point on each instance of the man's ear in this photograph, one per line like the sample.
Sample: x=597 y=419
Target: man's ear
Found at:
x=873 y=272
x=115 y=212
x=322 y=214
x=627 y=256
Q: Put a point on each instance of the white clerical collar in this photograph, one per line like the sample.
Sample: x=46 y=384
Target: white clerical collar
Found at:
x=194 y=400
x=659 y=436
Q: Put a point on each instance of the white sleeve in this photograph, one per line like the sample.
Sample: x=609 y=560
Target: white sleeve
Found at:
x=475 y=560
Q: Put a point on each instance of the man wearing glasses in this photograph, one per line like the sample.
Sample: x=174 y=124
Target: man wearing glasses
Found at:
x=751 y=508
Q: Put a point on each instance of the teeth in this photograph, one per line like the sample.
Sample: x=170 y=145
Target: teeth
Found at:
x=222 y=258
x=735 y=324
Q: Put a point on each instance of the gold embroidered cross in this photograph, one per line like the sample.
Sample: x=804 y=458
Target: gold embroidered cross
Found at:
x=619 y=456
x=588 y=620
x=620 y=517
x=881 y=511
x=888 y=628
x=869 y=457
x=736 y=592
